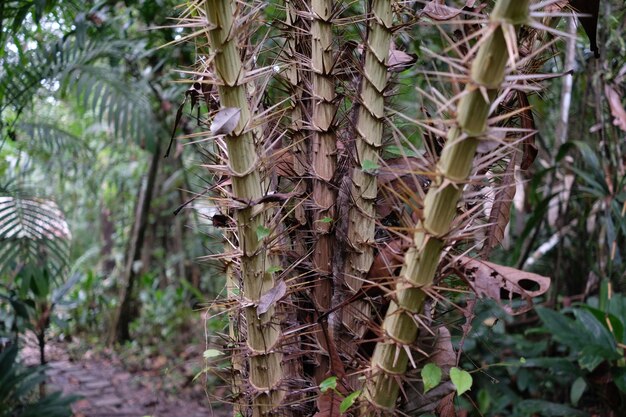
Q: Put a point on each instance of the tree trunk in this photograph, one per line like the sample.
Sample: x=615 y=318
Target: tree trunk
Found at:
x=119 y=329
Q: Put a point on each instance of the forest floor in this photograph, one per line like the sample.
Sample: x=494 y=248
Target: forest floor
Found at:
x=110 y=385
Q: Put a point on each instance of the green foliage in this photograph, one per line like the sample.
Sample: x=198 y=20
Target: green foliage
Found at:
x=461 y=380
x=17 y=391
x=566 y=363
x=33 y=232
x=431 y=375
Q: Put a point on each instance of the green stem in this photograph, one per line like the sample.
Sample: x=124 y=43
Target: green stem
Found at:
x=399 y=329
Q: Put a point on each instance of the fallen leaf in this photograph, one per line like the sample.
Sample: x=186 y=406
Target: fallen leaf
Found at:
x=271 y=297
x=225 y=121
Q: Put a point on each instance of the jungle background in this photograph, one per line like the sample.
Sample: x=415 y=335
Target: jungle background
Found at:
x=89 y=94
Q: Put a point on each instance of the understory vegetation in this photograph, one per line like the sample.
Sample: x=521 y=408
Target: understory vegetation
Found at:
x=351 y=207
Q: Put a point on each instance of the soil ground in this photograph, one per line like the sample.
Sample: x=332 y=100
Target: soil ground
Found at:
x=110 y=388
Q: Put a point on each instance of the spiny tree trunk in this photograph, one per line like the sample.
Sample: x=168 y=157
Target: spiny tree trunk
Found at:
x=400 y=328
x=309 y=217
x=263 y=333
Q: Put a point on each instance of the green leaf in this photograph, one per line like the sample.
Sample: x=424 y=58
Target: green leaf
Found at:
x=578 y=388
x=461 y=379
x=484 y=401
x=598 y=334
x=212 y=353
x=562 y=328
x=369 y=166
x=431 y=375
x=262 y=232
x=608 y=319
x=328 y=383
x=274 y=269
x=349 y=401
x=326 y=220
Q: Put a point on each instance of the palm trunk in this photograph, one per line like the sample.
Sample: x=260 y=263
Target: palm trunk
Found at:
x=364 y=190
x=265 y=359
x=399 y=329
x=324 y=160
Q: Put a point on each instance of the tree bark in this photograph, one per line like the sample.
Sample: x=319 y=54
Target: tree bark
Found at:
x=119 y=329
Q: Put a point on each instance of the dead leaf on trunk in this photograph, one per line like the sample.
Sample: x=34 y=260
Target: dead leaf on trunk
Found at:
x=617 y=110
x=271 y=297
x=438 y=10
x=225 y=121
x=501 y=208
x=528 y=123
x=399 y=60
x=490 y=280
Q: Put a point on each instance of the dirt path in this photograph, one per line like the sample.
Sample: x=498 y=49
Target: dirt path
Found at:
x=108 y=390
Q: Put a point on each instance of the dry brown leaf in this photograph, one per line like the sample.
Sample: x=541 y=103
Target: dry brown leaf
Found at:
x=501 y=208
x=528 y=122
x=328 y=404
x=389 y=258
x=225 y=121
x=402 y=175
x=438 y=10
x=617 y=110
x=399 y=60
x=270 y=298
x=443 y=354
x=488 y=279
x=446 y=406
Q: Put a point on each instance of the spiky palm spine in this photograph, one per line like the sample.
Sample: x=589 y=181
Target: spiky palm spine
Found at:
x=263 y=331
x=399 y=329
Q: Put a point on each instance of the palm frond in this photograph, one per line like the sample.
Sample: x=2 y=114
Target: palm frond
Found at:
x=33 y=231
x=51 y=140
x=84 y=71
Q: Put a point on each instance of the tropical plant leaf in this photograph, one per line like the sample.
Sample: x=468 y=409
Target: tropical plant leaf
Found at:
x=33 y=231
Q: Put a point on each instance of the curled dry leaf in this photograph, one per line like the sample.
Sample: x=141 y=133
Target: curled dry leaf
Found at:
x=270 y=298
x=488 y=279
x=615 y=102
x=443 y=354
x=399 y=60
x=438 y=10
x=527 y=119
x=225 y=121
x=501 y=208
